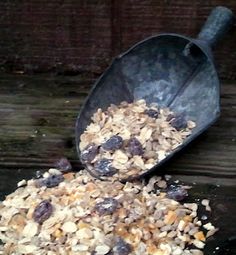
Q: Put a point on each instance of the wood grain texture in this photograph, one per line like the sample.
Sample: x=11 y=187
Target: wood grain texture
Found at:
x=66 y=35
x=69 y=36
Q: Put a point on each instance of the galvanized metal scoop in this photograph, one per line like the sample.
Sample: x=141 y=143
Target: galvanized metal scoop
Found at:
x=172 y=70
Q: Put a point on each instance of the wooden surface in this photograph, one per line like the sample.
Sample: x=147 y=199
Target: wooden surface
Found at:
x=37 y=118
x=51 y=53
x=69 y=36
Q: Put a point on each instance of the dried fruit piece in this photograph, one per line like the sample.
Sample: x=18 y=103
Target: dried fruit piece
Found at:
x=107 y=206
x=42 y=211
x=122 y=247
x=177 y=193
x=152 y=113
x=179 y=122
x=113 y=143
x=170 y=217
x=51 y=181
x=135 y=147
x=103 y=167
x=63 y=164
x=89 y=153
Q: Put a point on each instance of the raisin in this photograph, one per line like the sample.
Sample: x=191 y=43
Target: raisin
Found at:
x=151 y=113
x=103 y=167
x=122 y=247
x=135 y=147
x=42 y=211
x=179 y=122
x=177 y=193
x=89 y=153
x=113 y=143
x=107 y=206
x=63 y=164
x=52 y=181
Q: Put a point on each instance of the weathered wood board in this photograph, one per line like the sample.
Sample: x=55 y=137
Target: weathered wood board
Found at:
x=76 y=36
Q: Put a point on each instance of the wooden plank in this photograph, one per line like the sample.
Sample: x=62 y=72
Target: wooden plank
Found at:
x=37 y=118
x=75 y=36
x=47 y=35
x=116 y=26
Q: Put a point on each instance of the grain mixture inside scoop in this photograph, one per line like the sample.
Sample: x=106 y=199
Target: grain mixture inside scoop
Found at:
x=128 y=139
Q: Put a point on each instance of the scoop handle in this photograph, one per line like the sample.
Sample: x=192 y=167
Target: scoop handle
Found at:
x=218 y=23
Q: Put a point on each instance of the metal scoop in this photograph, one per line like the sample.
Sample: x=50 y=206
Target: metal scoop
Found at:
x=171 y=70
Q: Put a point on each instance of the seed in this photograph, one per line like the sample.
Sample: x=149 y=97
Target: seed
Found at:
x=38 y=174
x=22 y=183
x=102 y=249
x=69 y=227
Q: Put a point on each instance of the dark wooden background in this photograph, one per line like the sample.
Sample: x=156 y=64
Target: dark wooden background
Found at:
x=51 y=52
x=77 y=36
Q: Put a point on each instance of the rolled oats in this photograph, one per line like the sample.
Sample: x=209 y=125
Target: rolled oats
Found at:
x=102 y=249
x=133 y=136
x=91 y=216
x=69 y=227
x=31 y=229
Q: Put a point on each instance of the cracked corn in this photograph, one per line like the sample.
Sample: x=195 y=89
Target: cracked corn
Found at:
x=90 y=216
x=131 y=138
